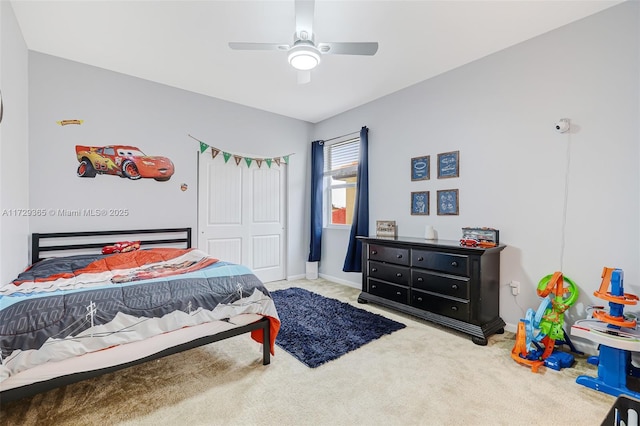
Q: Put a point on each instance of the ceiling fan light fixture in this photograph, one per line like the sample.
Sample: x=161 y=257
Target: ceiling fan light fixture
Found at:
x=304 y=58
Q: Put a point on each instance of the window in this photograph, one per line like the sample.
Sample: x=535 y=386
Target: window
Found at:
x=340 y=179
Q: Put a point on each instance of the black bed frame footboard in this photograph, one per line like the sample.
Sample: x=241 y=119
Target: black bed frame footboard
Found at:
x=39 y=387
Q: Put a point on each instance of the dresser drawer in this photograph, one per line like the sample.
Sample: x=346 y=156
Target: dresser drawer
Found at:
x=448 y=285
x=387 y=272
x=395 y=255
x=444 y=262
x=389 y=291
x=440 y=305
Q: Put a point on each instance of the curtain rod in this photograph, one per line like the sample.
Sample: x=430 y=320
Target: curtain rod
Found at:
x=338 y=137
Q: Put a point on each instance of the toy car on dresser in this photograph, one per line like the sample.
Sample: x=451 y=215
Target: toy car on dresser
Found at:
x=122 y=160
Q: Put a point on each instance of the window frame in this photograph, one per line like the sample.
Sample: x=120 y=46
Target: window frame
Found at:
x=327 y=187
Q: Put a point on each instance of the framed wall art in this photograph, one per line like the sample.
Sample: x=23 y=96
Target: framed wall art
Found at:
x=420 y=203
x=420 y=168
x=448 y=202
x=449 y=164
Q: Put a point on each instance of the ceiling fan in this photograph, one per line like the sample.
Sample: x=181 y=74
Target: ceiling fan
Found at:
x=304 y=53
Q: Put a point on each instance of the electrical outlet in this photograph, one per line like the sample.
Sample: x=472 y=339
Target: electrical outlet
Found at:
x=515 y=287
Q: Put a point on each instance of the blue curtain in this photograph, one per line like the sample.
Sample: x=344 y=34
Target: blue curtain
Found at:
x=317 y=169
x=360 y=225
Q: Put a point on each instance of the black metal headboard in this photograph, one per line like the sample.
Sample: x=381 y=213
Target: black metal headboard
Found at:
x=88 y=240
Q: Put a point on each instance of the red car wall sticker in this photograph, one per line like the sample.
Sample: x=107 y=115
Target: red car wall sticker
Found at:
x=122 y=160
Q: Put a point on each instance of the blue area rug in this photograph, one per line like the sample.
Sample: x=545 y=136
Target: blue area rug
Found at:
x=316 y=329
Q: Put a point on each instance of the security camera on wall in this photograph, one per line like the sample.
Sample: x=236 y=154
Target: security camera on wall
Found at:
x=562 y=125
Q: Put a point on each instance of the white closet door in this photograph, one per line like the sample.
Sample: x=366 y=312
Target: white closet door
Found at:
x=242 y=214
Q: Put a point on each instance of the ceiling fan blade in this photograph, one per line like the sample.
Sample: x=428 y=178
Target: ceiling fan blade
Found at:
x=304 y=77
x=304 y=16
x=258 y=46
x=348 y=48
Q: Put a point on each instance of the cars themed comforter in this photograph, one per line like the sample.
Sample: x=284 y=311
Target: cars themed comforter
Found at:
x=65 y=307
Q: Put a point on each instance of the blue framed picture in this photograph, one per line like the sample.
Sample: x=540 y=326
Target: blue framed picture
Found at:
x=420 y=168
x=447 y=202
x=420 y=203
x=449 y=164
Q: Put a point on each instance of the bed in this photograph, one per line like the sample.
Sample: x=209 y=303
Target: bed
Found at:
x=76 y=313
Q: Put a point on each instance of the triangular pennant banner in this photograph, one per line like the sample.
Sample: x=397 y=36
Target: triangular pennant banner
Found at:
x=227 y=155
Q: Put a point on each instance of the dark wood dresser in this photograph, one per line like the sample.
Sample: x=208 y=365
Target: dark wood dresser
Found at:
x=440 y=281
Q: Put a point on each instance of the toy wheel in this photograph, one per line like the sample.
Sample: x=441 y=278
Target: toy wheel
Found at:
x=85 y=169
x=480 y=341
x=130 y=170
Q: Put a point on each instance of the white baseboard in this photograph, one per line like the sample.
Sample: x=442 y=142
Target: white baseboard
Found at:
x=357 y=285
x=296 y=277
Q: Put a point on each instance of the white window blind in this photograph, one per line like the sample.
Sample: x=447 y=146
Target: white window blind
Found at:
x=341 y=158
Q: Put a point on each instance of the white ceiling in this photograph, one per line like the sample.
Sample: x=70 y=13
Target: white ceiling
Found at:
x=184 y=43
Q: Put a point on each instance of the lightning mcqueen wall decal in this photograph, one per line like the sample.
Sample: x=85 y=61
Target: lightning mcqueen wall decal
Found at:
x=122 y=160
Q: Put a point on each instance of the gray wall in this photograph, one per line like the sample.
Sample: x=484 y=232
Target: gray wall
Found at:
x=119 y=109
x=499 y=112
x=14 y=152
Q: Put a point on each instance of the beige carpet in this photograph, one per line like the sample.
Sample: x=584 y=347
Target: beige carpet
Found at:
x=420 y=375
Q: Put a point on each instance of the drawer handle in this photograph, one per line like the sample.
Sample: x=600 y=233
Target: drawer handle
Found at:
x=373 y=286
x=399 y=274
x=398 y=293
x=374 y=252
x=374 y=269
x=454 y=286
x=454 y=308
x=399 y=256
x=420 y=279
x=419 y=299
x=420 y=259
x=454 y=263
